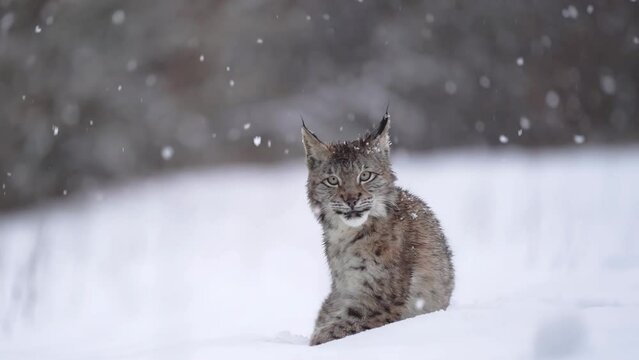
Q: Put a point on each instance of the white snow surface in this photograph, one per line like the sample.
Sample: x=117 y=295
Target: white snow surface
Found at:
x=227 y=263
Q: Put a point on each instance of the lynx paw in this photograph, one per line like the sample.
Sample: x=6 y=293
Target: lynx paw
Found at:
x=328 y=333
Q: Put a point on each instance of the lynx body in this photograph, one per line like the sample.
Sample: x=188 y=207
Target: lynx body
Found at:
x=388 y=257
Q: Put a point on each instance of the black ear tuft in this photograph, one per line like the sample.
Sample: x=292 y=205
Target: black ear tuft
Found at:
x=382 y=125
x=316 y=150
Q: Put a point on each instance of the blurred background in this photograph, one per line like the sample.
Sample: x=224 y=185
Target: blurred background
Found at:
x=99 y=92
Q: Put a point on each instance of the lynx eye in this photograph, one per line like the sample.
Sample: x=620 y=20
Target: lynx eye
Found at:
x=332 y=181
x=366 y=176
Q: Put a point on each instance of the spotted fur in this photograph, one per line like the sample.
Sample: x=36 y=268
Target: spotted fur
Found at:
x=388 y=257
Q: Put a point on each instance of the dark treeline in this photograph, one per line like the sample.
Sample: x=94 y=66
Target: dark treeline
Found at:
x=96 y=91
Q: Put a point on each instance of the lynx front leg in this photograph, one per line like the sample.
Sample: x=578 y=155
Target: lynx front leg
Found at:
x=332 y=323
x=352 y=320
x=335 y=330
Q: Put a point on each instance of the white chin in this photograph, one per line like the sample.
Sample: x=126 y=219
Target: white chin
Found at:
x=355 y=221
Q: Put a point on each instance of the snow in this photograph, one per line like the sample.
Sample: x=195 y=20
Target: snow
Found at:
x=118 y=17
x=450 y=87
x=608 y=84
x=579 y=139
x=167 y=152
x=6 y=22
x=131 y=65
x=151 y=80
x=503 y=139
x=484 y=81
x=520 y=61
x=570 y=12
x=552 y=99
x=257 y=140
x=227 y=263
x=37 y=29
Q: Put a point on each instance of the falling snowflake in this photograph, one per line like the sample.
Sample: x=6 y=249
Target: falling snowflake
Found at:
x=201 y=58
x=552 y=99
x=608 y=84
x=268 y=143
x=131 y=65
x=167 y=152
x=520 y=61
x=151 y=80
x=570 y=12
x=55 y=130
x=260 y=41
x=450 y=87
x=231 y=83
x=484 y=82
x=430 y=18
x=503 y=139
x=524 y=123
x=118 y=17
x=119 y=87
x=579 y=139
x=247 y=126
x=257 y=140
x=37 y=29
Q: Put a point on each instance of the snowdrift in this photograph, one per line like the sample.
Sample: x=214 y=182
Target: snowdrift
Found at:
x=228 y=263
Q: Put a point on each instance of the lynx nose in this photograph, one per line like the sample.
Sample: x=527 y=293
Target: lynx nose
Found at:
x=351 y=200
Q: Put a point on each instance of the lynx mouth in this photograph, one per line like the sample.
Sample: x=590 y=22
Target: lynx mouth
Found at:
x=353 y=214
x=354 y=218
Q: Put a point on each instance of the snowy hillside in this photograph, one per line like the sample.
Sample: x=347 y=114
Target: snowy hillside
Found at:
x=228 y=263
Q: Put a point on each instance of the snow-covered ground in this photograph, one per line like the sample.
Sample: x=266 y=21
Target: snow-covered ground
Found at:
x=228 y=263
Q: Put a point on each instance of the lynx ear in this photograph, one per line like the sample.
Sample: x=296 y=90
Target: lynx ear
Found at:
x=381 y=138
x=316 y=150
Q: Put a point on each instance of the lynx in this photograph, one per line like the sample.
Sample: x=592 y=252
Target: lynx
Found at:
x=387 y=254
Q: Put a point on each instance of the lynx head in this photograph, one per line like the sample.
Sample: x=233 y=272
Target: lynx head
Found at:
x=350 y=180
